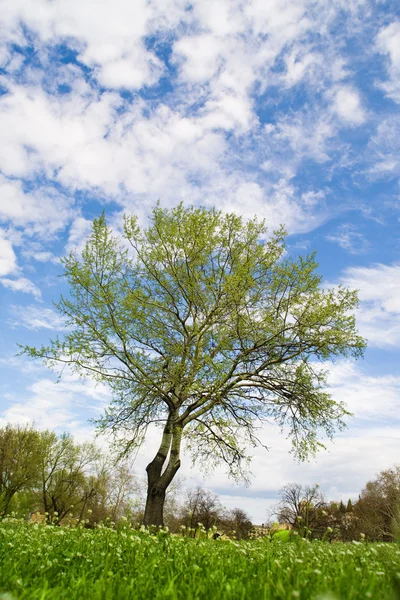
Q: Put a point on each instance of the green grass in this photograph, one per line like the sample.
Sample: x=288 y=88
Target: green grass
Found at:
x=43 y=563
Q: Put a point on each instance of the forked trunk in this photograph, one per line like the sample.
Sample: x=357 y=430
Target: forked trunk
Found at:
x=158 y=479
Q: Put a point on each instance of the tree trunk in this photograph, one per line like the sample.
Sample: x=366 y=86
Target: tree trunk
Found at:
x=154 y=512
x=159 y=480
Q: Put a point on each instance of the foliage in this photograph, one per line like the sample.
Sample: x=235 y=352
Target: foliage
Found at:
x=200 y=325
x=53 y=563
x=21 y=452
x=379 y=506
x=70 y=483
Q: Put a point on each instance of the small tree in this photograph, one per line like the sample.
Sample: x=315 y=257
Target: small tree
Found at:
x=116 y=491
x=303 y=508
x=201 y=506
x=203 y=326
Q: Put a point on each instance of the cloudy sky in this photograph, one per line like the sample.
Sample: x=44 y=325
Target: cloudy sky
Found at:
x=288 y=109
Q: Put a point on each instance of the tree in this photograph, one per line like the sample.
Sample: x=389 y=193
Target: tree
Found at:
x=21 y=449
x=379 y=506
x=202 y=325
x=303 y=507
x=65 y=482
x=201 y=506
x=237 y=523
x=116 y=490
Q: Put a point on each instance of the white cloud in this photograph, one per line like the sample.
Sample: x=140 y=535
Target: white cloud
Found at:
x=206 y=145
x=8 y=260
x=199 y=57
x=349 y=239
x=384 y=149
x=78 y=233
x=21 y=285
x=44 y=412
x=388 y=42
x=347 y=105
x=373 y=398
x=296 y=68
x=378 y=318
x=34 y=318
x=165 y=156
x=284 y=19
x=306 y=134
x=44 y=256
x=41 y=132
x=109 y=37
x=41 y=211
x=58 y=406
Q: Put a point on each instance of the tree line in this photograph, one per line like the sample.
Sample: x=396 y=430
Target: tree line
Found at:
x=375 y=515
x=60 y=478
x=79 y=484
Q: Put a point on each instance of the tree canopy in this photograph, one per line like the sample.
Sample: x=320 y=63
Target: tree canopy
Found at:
x=203 y=324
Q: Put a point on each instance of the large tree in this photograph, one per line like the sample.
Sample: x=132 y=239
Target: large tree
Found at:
x=203 y=325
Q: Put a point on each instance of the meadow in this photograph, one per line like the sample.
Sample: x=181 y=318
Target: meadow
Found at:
x=46 y=562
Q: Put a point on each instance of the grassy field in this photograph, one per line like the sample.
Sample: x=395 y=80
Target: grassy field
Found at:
x=45 y=562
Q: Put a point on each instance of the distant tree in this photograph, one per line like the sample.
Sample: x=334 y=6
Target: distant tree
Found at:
x=379 y=504
x=237 y=523
x=304 y=508
x=21 y=450
x=65 y=482
x=345 y=523
x=349 y=507
x=203 y=325
x=201 y=506
x=124 y=490
x=117 y=491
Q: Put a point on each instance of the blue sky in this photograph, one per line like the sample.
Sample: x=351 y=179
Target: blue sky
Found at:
x=288 y=109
